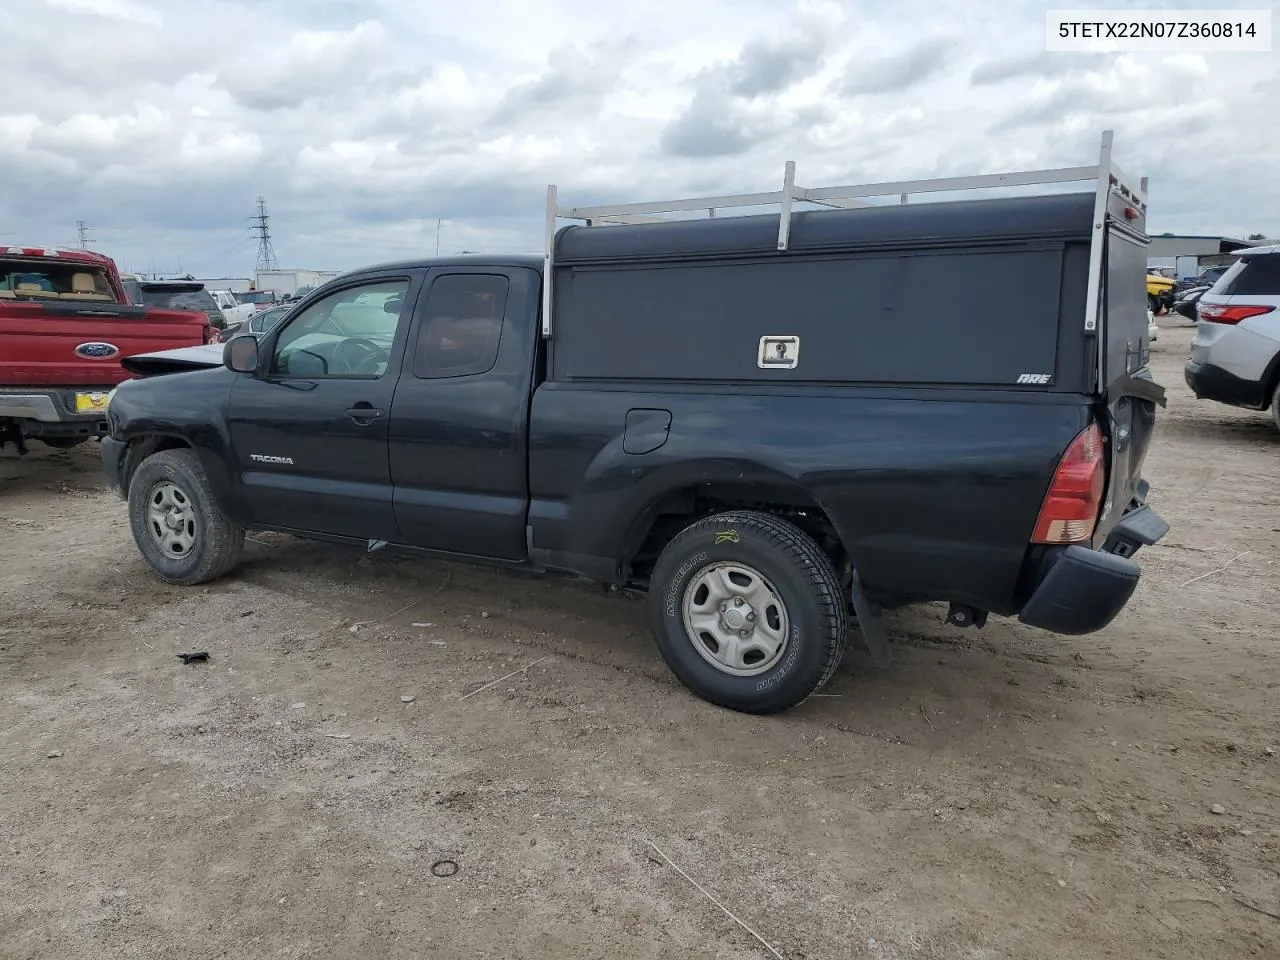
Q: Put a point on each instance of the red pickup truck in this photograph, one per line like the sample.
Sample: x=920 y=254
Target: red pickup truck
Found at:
x=66 y=322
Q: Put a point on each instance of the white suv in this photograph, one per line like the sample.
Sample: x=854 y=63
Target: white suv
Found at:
x=1235 y=356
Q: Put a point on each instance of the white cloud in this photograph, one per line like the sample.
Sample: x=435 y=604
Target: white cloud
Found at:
x=363 y=121
x=110 y=9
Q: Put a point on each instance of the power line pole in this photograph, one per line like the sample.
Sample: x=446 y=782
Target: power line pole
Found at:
x=82 y=231
x=438 y=222
x=262 y=230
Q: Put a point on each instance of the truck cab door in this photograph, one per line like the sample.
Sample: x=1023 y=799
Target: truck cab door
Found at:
x=459 y=422
x=309 y=430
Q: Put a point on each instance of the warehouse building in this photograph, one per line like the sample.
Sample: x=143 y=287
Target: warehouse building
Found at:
x=1189 y=255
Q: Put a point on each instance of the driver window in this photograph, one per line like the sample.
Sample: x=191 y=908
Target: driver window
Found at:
x=346 y=334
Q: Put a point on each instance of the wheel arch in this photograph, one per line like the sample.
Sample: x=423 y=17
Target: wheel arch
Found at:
x=682 y=502
x=138 y=449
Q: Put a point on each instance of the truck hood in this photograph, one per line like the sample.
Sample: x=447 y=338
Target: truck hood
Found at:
x=174 y=361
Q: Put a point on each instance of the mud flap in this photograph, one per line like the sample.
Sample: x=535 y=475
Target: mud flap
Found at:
x=873 y=632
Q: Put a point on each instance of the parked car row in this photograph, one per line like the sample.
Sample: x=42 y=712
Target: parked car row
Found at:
x=226 y=309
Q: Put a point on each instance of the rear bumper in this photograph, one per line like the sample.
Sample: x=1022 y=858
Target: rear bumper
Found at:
x=112 y=453
x=52 y=411
x=30 y=406
x=1208 y=382
x=1081 y=589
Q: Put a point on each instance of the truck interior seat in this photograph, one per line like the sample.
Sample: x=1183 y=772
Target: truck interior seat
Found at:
x=84 y=287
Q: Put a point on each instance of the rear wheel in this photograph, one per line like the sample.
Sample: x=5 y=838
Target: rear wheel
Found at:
x=748 y=612
x=177 y=523
x=1275 y=406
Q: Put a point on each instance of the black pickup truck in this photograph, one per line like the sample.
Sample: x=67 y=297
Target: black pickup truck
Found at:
x=774 y=432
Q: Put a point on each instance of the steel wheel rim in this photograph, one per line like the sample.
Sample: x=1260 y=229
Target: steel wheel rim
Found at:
x=735 y=619
x=171 y=519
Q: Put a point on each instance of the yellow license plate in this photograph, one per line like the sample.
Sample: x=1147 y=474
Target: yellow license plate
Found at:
x=91 y=402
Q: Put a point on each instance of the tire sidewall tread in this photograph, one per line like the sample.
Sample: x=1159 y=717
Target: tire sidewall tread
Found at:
x=219 y=541
x=797 y=568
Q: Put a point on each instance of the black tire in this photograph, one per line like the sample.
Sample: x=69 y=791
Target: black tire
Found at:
x=1153 y=303
x=217 y=540
x=799 y=574
x=1275 y=406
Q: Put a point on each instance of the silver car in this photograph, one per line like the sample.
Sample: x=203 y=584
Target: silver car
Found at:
x=1235 y=356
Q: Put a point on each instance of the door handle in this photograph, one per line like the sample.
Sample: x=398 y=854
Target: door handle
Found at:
x=363 y=413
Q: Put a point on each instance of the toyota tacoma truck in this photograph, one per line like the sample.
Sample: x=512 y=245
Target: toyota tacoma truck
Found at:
x=762 y=421
x=65 y=323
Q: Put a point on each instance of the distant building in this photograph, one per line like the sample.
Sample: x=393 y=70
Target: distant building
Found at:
x=291 y=281
x=1188 y=255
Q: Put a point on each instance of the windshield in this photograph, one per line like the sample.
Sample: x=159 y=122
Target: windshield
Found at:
x=178 y=298
x=42 y=280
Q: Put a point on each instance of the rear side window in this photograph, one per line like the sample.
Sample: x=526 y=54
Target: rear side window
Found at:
x=1259 y=276
x=461 y=326
x=73 y=280
x=179 y=299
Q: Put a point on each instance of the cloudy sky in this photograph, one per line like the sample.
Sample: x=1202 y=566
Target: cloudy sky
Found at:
x=362 y=122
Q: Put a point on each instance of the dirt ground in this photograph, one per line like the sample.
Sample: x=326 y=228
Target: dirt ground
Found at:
x=1001 y=793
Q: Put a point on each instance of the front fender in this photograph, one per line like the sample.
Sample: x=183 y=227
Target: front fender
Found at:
x=180 y=409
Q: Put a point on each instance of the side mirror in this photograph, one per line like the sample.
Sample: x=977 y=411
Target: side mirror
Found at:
x=240 y=353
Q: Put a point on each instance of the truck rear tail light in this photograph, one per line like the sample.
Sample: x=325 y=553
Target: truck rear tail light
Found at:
x=1216 y=313
x=1070 y=510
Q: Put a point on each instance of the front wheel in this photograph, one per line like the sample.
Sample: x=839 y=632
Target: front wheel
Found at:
x=177 y=523
x=1153 y=304
x=1275 y=406
x=748 y=612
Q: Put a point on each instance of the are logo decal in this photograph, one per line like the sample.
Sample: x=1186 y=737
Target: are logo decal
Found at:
x=97 y=350
x=1034 y=377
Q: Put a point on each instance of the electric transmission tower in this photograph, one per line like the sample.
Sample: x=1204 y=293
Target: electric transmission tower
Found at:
x=82 y=232
x=262 y=230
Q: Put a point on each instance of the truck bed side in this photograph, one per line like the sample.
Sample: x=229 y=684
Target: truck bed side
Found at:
x=938 y=489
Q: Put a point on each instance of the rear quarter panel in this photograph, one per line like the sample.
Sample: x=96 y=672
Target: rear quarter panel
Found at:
x=934 y=493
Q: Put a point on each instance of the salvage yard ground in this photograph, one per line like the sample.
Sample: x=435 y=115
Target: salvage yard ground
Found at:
x=1002 y=793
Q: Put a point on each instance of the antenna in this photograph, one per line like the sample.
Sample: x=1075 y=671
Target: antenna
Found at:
x=262 y=229
x=82 y=233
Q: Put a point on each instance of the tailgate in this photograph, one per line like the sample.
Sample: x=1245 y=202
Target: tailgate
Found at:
x=66 y=344
x=1126 y=386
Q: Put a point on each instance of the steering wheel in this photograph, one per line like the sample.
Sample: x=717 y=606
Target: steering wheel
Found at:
x=352 y=354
